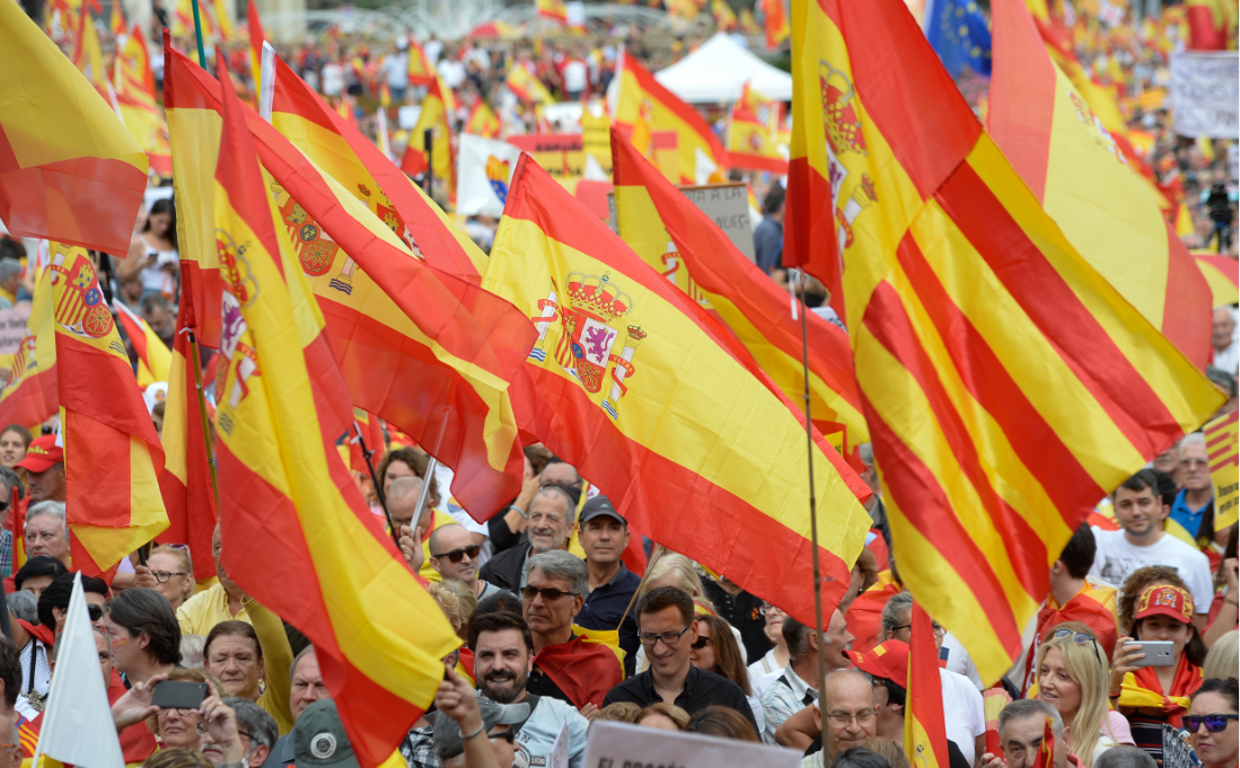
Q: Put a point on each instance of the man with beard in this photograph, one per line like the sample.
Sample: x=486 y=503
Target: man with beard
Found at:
x=503 y=657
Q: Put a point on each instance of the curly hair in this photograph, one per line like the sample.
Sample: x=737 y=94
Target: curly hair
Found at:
x=1136 y=583
x=417 y=463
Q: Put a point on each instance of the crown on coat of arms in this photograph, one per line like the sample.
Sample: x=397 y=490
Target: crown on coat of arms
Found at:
x=597 y=296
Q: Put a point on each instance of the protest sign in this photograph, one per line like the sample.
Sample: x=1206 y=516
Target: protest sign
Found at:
x=621 y=745
x=728 y=206
x=559 y=749
x=1205 y=94
x=13 y=328
x=1221 y=438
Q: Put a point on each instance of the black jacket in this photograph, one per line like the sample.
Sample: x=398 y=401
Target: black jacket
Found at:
x=504 y=570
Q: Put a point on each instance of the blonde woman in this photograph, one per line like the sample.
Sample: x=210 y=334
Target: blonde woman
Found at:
x=174 y=572
x=1072 y=678
x=1221 y=660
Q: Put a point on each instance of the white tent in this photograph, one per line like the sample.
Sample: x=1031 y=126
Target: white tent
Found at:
x=715 y=72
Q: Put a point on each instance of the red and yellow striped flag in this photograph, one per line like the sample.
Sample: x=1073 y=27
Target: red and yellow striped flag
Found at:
x=526 y=86
x=677 y=240
x=285 y=494
x=641 y=104
x=753 y=133
x=254 y=26
x=154 y=357
x=1106 y=209
x=135 y=95
x=1222 y=441
x=483 y=122
x=1222 y=274
x=437 y=109
x=925 y=726
x=650 y=398
x=421 y=69
x=1006 y=385
x=30 y=394
x=69 y=170
x=112 y=453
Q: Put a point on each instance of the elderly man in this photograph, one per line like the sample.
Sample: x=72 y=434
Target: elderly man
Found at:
x=1192 y=514
x=552 y=518
x=47 y=533
x=604 y=537
x=402 y=503
x=566 y=667
x=256 y=730
x=850 y=719
x=45 y=470
x=307 y=687
x=503 y=660
x=454 y=556
x=1022 y=726
x=224 y=601
x=794 y=689
x=1223 y=339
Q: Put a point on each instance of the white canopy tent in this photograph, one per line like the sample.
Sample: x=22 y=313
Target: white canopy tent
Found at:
x=715 y=72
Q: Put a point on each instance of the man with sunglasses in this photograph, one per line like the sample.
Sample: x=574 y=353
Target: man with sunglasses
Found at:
x=454 y=556
x=668 y=628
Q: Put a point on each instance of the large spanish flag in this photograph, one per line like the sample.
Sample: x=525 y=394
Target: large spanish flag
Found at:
x=522 y=82
x=753 y=133
x=649 y=397
x=135 y=96
x=154 y=357
x=1006 y=385
x=637 y=101
x=1107 y=210
x=69 y=170
x=112 y=453
x=925 y=726
x=285 y=494
x=426 y=350
x=30 y=395
x=677 y=240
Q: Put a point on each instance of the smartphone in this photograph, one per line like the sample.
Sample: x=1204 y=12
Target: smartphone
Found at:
x=1158 y=653
x=173 y=694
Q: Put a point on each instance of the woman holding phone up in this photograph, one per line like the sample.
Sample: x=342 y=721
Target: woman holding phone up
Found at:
x=1152 y=695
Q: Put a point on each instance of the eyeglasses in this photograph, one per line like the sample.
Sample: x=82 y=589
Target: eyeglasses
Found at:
x=1213 y=723
x=769 y=609
x=701 y=643
x=163 y=576
x=1080 y=638
x=938 y=630
x=456 y=555
x=507 y=736
x=548 y=595
x=668 y=638
x=842 y=719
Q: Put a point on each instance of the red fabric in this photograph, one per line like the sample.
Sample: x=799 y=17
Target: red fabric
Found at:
x=137 y=741
x=45 y=634
x=1185 y=683
x=634 y=555
x=585 y=671
x=1083 y=608
x=467 y=662
x=865 y=615
x=16 y=524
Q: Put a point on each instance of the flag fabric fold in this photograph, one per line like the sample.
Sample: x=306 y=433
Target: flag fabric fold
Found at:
x=154 y=358
x=925 y=726
x=753 y=133
x=30 y=394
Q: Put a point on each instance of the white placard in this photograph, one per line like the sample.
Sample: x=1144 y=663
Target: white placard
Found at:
x=559 y=748
x=615 y=745
x=407 y=117
x=13 y=328
x=1205 y=94
x=728 y=206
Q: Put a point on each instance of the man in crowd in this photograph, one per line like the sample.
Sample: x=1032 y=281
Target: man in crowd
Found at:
x=256 y=730
x=563 y=474
x=454 y=556
x=794 y=689
x=1226 y=352
x=159 y=315
x=224 y=601
x=850 y=719
x=1140 y=511
x=45 y=470
x=768 y=236
x=503 y=660
x=47 y=533
x=604 y=537
x=552 y=518
x=1022 y=726
x=307 y=687
x=1192 y=512
x=666 y=625
x=566 y=666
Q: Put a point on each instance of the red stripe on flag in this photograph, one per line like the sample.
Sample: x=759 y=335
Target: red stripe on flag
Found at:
x=35 y=400
x=1186 y=321
x=809 y=230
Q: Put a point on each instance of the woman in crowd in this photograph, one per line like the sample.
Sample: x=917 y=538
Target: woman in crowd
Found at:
x=1072 y=678
x=715 y=650
x=663 y=717
x=244 y=656
x=406 y=462
x=769 y=667
x=145 y=635
x=154 y=257
x=1212 y=723
x=1151 y=696
x=723 y=723
x=14 y=441
x=173 y=728
x=174 y=572
x=1137 y=582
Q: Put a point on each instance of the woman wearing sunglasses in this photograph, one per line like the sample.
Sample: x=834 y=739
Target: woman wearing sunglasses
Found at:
x=715 y=650
x=1212 y=722
x=1072 y=678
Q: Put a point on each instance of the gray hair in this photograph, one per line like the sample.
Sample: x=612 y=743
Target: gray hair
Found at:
x=9 y=268
x=1193 y=438
x=866 y=452
x=11 y=480
x=1125 y=756
x=1025 y=708
x=796 y=637
x=107 y=641
x=558 y=564
x=292 y=670
x=409 y=485
x=255 y=721
x=193 y=651
x=54 y=508
x=570 y=515
x=893 y=612
x=23 y=605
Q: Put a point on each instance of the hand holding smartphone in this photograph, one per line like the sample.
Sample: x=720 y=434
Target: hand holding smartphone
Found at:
x=175 y=694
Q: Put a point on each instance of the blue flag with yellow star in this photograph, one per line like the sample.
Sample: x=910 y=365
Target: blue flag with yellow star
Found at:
x=958 y=33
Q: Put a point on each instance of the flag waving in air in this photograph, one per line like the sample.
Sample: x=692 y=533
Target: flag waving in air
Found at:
x=649 y=397
x=753 y=133
x=1006 y=385
x=30 y=393
x=526 y=86
x=135 y=96
x=286 y=496
x=925 y=729
x=154 y=357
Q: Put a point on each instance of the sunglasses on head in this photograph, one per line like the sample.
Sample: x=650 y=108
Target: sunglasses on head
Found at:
x=1080 y=638
x=456 y=555
x=1213 y=723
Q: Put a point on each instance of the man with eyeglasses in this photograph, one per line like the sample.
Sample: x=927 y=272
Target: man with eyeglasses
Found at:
x=224 y=601
x=1192 y=514
x=551 y=519
x=306 y=687
x=604 y=537
x=667 y=626
x=850 y=717
x=794 y=689
x=1142 y=541
x=454 y=556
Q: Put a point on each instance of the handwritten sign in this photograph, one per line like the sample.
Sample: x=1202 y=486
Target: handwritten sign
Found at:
x=728 y=206
x=1205 y=94
x=622 y=745
x=1221 y=438
x=559 y=749
x=12 y=329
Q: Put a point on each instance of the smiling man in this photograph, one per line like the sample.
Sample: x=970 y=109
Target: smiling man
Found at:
x=604 y=537
x=552 y=518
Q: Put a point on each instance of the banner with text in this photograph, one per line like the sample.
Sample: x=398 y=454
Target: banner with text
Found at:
x=1205 y=94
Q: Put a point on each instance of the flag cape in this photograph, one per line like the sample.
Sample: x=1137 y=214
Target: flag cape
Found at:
x=1142 y=689
x=753 y=133
x=1092 y=606
x=583 y=668
x=526 y=86
x=30 y=395
x=403 y=326
x=652 y=215
x=1221 y=273
x=285 y=495
x=639 y=99
x=69 y=170
x=925 y=726
x=1006 y=386
x=113 y=455
x=154 y=358
x=135 y=96
x=631 y=379
x=1105 y=208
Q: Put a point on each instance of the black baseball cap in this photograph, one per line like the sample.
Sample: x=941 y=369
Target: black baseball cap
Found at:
x=600 y=505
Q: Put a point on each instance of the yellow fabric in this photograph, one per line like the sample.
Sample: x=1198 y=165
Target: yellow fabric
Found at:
x=607 y=637
x=206 y=609
x=1133 y=695
x=437 y=108
x=277 y=661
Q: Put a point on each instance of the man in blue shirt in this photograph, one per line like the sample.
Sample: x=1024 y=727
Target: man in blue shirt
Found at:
x=1192 y=514
x=604 y=536
x=768 y=237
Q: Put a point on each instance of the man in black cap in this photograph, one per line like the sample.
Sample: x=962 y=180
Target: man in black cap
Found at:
x=604 y=536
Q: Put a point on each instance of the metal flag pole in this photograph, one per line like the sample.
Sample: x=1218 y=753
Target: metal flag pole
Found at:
x=431 y=465
x=202 y=51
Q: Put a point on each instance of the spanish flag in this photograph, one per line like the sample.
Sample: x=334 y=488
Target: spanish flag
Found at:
x=774 y=23
x=552 y=9
x=526 y=86
x=366 y=428
x=135 y=96
x=925 y=728
x=753 y=133
x=154 y=357
x=399 y=325
x=254 y=23
x=436 y=117
x=636 y=97
x=69 y=170
x=652 y=399
x=285 y=495
x=421 y=69
x=1106 y=209
x=1006 y=385
x=1209 y=24
x=1222 y=274
x=482 y=121
x=677 y=240
x=112 y=453
x=30 y=394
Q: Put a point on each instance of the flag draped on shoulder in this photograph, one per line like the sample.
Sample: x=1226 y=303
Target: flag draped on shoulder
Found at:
x=1106 y=209
x=113 y=456
x=154 y=357
x=674 y=237
x=1006 y=385
x=650 y=398
x=69 y=170
x=287 y=497
x=925 y=726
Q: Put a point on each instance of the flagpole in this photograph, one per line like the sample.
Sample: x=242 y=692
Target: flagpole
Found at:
x=202 y=51
x=431 y=464
x=640 y=585
x=374 y=479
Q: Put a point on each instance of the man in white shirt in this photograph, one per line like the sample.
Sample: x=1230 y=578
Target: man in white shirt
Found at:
x=1140 y=511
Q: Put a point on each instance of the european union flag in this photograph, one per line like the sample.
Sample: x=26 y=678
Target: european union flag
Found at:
x=957 y=31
